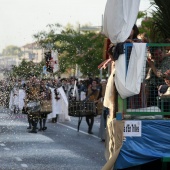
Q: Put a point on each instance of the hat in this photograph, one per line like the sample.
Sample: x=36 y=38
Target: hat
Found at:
x=167 y=75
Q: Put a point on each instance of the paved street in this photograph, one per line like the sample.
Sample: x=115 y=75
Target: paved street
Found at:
x=60 y=147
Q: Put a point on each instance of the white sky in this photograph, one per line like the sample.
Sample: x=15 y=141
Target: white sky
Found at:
x=20 y=19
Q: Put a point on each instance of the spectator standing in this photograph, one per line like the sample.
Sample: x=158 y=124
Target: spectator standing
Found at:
x=159 y=62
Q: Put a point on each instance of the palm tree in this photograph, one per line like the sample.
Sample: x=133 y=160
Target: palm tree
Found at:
x=161 y=20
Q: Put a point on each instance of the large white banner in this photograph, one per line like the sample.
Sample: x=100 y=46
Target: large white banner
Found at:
x=54 y=61
x=119 y=18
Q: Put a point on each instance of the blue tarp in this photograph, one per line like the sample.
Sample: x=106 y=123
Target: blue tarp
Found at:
x=153 y=144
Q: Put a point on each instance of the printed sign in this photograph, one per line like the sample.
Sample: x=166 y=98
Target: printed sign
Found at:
x=133 y=128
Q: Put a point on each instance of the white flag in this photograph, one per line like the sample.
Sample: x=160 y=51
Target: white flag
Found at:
x=74 y=90
x=54 y=61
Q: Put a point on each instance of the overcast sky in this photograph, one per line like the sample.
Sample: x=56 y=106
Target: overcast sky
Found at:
x=20 y=19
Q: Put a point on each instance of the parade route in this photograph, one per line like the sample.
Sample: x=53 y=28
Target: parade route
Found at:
x=60 y=147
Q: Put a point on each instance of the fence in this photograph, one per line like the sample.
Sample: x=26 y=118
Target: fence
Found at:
x=154 y=96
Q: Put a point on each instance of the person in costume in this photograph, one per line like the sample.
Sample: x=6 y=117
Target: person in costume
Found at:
x=93 y=95
x=33 y=94
x=46 y=97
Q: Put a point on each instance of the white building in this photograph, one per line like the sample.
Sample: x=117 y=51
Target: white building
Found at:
x=32 y=52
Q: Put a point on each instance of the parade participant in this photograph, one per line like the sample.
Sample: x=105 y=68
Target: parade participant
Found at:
x=14 y=99
x=46 y=105
x=83 y=89
x=64 y=85
x=72 y=93
x=93 y=95
x=55 y=105
x=63 y=103
x=1 y=93
x=7 y=89
x=27 y=85
x=33 y=95
x=22 y=95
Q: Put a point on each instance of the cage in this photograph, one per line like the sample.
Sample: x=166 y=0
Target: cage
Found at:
x=154 y=95
x=81 y=108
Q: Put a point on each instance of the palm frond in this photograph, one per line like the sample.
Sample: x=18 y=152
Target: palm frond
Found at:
x=161 y=19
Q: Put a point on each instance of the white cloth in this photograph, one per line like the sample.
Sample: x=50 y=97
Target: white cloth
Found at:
x=119 y=18
x=82 y=95
x=22 y=95
x=14 y=98
x=60 y=106
x=56 y=105
x=54 y=61
x=128 y=84
x=11 y=100
x=64 y=104
x=73 y=92
x=63 y=96
x=108 y=98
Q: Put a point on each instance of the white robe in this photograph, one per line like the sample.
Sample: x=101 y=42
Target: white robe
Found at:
x=22 y=95
x=14 y=98
x=17 y=99
x=64 y=104
x=59 y=107
x=56 y=106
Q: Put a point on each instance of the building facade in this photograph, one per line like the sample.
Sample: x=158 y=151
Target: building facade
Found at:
x=32 y=52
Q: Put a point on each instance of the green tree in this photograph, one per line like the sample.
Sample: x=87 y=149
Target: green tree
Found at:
x=12 y=50
x=146 y=27
x=26 y=68
x=84 y=49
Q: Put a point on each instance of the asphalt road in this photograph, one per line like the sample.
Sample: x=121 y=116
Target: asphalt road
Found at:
x=60 y=147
